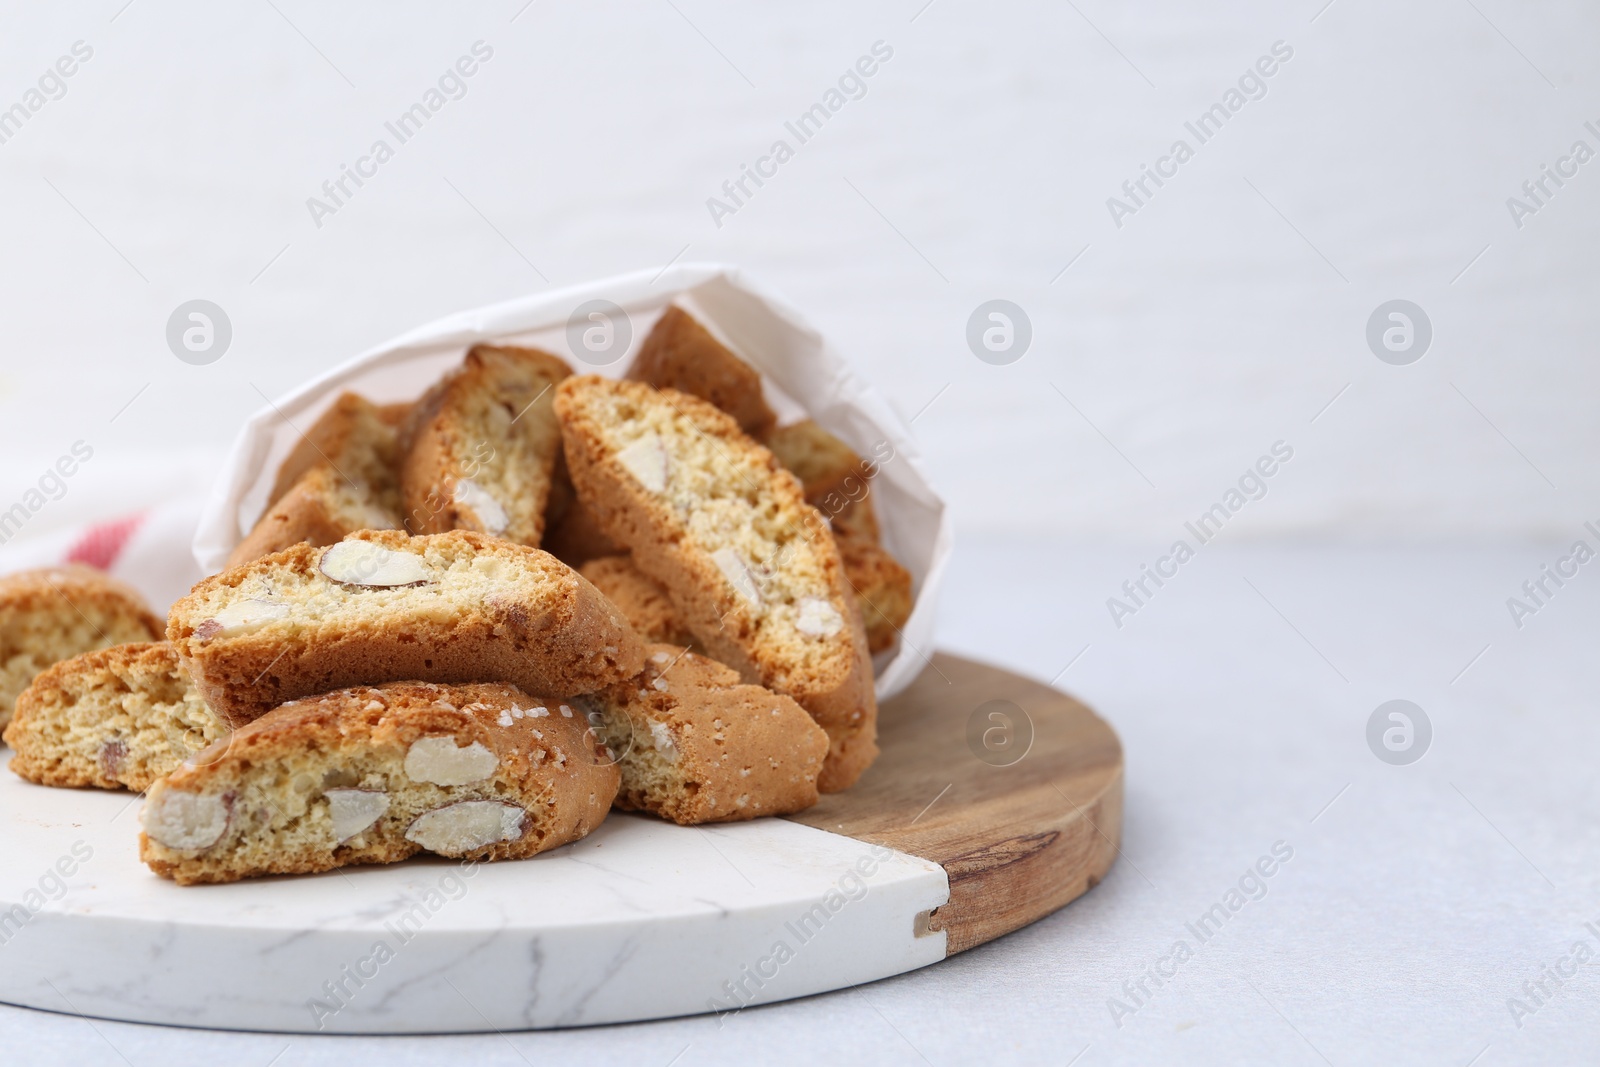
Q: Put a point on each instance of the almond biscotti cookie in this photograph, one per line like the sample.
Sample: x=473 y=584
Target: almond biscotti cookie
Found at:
x=681 y=354
x=642 y=600
x=54 y=613
x=695 y=745
x=380 y=606
x=482 y=446
x=750 y=566
x=116 y=718
x=857 y=518
x=319 y=509
x=377 y=774
x=360 y=440
x=823 y=463
x=571 y=533
x=342 y=477
x=882 y=588
x=837 y=482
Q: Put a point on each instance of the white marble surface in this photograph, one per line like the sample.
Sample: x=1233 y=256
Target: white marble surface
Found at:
x=639 y=920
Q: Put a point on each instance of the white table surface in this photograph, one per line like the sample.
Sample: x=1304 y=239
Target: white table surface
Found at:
x=1414 y=907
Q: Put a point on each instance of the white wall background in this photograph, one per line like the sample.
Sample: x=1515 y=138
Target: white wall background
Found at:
x=178 y=163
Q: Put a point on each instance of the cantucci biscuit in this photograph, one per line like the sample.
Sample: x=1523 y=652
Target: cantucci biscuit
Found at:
x=54 y=613
x=823 y=463
x=695 y=745
x=377 y=774
x=116 y=718
x=882 y=588
x=380 y=606
x=750 y=566
x=482 y=446
x=838 y=483
x=571 y=533
x=856 y=518
x=642 y=600
x=319 y=509
x=358 y=439
x=341 y=477
x=681 y=354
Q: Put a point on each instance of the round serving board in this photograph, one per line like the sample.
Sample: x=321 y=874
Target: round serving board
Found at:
x=996 y=801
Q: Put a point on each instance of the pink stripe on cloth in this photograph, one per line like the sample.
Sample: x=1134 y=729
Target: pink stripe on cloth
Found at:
x=101 y=544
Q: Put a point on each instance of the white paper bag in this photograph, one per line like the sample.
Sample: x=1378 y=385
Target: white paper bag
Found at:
x=801 y=372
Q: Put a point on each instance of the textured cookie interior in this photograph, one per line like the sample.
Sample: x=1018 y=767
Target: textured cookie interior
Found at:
x=355 y=504
x=281 y=818
x=720 y=493
x=55 y=630
x=641 y=599
x=359 y=442
x=693 y=744
x=460 y=580
x=267 y=796
x=125 y=716
x=505 y=436
x=818 y=458
x=652 y=779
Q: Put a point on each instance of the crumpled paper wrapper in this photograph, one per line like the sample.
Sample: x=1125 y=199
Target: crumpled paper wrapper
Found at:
x=802 y=373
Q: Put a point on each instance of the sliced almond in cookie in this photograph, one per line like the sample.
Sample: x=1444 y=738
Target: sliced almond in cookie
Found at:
x=739 y=575
x=646 y=460
x=818 y=618
x=367 y=564
x=479 y=509
x=466 y=826
x=354 y=810
x=438 y=760
x=241 y=616
x=186 y=822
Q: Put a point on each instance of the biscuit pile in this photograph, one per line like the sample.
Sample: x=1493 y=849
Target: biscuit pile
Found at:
x=473 y=624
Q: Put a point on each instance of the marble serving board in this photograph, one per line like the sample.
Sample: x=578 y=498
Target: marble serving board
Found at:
x=968 y=827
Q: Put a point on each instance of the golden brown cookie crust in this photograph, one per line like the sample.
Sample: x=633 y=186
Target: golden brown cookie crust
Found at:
x=852 y=518
x=696 y=745
x=642 y=600
x=576 y=537
x=273 y=779
x=489 y=610
x=679 y=353
x=882 y=588
x=823 y=463
x=725 y=497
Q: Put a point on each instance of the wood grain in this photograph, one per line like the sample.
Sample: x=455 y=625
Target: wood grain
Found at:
x=1018 y=841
